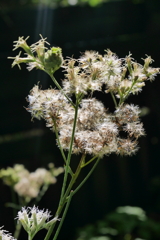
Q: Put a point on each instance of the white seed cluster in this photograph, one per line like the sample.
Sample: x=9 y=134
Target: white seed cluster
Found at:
x=97 y=131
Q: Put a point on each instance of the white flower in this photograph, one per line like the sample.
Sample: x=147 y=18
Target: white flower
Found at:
x=82 y=74
x=39 y=217
x=97 y=132
x=126 y=146
x=27 y=188
x=46 y=104
x=134 y=129
x=39 y=46
x=35 y=64
x=41 y=176
x=5 y=236
x=21 y=43
x=29 y=185
x=33 y=219
x=88 y=57
x=112 y=66
x=127 y=113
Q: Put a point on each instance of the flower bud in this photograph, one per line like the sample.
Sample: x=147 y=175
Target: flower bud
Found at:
x=129 y=63
x=147 y=62
x=21 y=43
x=53 y=59
x=18 y=60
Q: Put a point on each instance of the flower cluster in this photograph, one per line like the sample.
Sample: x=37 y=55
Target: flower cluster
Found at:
x=4 y=235
x=33 y=219
x=91 y=71
x=98 y=132
x=38 y=55
x=120 y=76
x=28 y=184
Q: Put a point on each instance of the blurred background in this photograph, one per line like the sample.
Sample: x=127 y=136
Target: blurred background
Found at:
x=77 y=25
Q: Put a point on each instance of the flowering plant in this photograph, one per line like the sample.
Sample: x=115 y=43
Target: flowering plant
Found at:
x=29 y=185
x=81 y=123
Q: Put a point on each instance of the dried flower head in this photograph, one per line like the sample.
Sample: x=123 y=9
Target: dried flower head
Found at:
x=97 y=131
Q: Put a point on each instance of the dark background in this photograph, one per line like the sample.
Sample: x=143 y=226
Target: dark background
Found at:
x=123 y=27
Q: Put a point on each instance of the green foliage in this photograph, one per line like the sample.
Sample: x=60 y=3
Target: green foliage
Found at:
x=122 y=225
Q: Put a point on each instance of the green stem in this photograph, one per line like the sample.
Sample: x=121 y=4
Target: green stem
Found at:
x=59 y=87
x=70 y=152
x=13 y=197
x=59 y=144
x=57 y=137
x=114 y=100
x=127 y=93
x=121 y=96
x=29 y=237
x=88 y=175
x=50 y=231
x=17 y=230
x=67 y=198
x=12 y=205
x=64 y=198
x=74 y=178
x=63 y=217
x=91 y=160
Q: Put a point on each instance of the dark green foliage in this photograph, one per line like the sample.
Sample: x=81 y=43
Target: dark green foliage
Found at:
x=122 y=226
